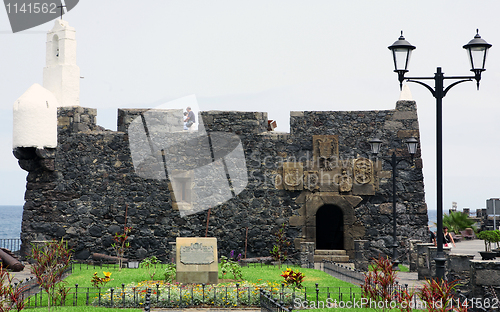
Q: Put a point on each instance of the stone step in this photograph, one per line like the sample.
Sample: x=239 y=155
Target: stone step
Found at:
x=334 y=258
x=330 y=252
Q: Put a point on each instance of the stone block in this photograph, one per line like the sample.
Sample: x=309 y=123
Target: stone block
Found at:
x=353 y=200
x=423 y=261
x=393 y=125
x=301 y=199
x=333 y=258
x=297 y=242
x=403 y=134
x=413 y=254
x=63 y=121
x=361 y=261
x=196 y=260
x=385 y=174
x=325 y=150
x=297 y=220
x=363 y=189
x=307 y=254
x=459 y=263
x=487 y=277
x=293 y=174
x=405 y=115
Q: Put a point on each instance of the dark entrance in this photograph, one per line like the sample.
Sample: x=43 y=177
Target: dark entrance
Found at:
x=329 y=228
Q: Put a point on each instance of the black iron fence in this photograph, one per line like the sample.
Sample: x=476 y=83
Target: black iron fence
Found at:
x=269 y=304
x=344 y=273
x=175 y=295
x=12 y=244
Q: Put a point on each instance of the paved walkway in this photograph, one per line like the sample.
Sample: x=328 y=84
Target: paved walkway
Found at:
x=469 y=247
x=466 y=247
x=26 y=273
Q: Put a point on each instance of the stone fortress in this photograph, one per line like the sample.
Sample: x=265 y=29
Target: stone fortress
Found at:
x=320 y=179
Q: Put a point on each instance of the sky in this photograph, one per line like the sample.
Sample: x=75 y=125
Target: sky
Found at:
x=276 y=57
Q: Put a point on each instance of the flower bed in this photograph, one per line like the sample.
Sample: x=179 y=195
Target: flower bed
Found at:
x=175 y=295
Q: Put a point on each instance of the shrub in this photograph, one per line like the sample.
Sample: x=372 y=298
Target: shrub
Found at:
x=279 y=251
x=51 y=261
x=230 y=266
x=121 y=244
x=150 y=264
x=293 y=278
x=10 y=297
x=489 y=237
x=438 y=295
x=170 y=272
x=380 y=281
x=99 y=281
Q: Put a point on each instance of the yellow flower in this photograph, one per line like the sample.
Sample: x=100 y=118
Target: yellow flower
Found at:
x=107 y=274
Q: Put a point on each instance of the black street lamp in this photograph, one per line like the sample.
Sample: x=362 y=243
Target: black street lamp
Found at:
x=394 y=161
x=477 y=50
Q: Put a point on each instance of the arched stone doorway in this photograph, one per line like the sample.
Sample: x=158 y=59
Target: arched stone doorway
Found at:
x=330 y=228
x=307 y=220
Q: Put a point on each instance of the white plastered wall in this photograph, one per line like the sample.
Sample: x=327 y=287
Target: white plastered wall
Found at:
x=35 y=119
x=61 y=75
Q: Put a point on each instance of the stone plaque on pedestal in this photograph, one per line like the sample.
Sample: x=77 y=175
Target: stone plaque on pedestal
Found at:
x=196 y=260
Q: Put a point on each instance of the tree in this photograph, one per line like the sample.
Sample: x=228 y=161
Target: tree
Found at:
x=280 y=248
x=489 y=237
x=457 y=221
x=121 y=244
x=51 y=261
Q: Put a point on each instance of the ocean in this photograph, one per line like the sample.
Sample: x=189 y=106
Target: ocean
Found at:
x=10 y=221
x=432 y=214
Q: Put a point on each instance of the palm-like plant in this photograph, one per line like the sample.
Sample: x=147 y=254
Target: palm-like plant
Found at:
x=457 y=221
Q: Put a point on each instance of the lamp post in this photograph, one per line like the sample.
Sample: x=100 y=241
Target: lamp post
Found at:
x=477 y=50
x=394 y=161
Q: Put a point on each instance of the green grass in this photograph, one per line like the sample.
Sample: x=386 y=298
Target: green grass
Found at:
x=329 y=287
x=259 y=274
x=402 y=268
x=269 y=276
x=254 y=274
x=82 y=275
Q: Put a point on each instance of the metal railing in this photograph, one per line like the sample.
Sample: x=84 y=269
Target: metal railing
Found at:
x=269 y=304
x=344 y=273
x=12 y=244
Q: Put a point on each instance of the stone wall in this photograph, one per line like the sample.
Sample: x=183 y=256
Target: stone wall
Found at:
x=459 y=269
x=426 y=266
x=484 y=276
x=87 y=189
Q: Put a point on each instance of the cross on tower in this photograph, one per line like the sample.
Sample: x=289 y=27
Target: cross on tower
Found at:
x=62 y=10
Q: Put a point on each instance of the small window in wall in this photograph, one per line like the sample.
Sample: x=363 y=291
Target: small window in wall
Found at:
x=181 y=189
x=55 y=46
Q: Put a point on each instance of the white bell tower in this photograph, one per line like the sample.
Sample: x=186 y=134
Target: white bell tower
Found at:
x=61 y=76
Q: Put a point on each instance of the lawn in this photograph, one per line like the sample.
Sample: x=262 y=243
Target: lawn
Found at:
x=82 y=275
x=129 y=285
x=318 y=289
